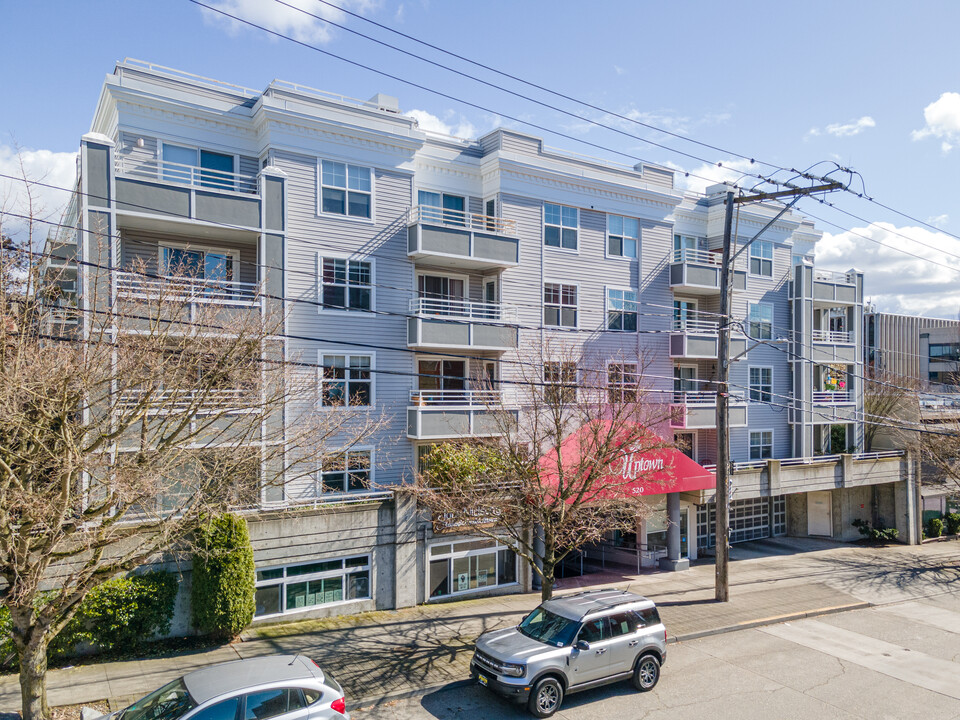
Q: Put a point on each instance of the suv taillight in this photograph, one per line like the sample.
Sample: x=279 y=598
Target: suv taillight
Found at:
x=339 y=705
x=664 y=636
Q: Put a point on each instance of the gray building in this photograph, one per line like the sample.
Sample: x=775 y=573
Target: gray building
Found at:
x=409 y=263
x=926 y=349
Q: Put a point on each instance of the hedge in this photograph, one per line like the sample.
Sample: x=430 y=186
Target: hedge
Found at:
x=223 y=577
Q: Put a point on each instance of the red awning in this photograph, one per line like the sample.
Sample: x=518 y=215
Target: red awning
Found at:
x=645 y=468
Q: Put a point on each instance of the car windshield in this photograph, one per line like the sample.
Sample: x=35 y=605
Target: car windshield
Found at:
x=170 y=702
x=549 y=628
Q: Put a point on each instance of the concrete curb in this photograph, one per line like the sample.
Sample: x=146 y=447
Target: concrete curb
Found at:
x=377 y=701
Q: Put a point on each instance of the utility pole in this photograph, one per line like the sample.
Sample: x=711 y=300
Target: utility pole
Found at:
x=722 y=587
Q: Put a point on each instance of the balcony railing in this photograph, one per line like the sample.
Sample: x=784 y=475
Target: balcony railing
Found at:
x=833 y=276
x=455 y=398
x=831 y=397
x=832 y=336
x=198 y=290
x=703 y=397
x=173 y=401
x=703 y=257
x=460 y=219
x=451 y=308
x=190 y=175
x=693 y=323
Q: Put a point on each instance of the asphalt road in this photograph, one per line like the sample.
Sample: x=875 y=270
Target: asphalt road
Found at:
x=896 y=661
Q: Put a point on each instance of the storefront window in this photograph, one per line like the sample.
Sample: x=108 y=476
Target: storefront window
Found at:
x=657 y=526
x=306 y=585
x=470 y=565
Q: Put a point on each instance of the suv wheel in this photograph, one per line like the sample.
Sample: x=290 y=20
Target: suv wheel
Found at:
x=646 y=673
x=546 y=697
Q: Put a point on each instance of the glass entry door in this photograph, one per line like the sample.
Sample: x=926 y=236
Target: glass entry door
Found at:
x=684 y=530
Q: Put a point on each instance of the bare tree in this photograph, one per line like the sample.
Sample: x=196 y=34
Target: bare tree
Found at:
x=116 y=438
x=885 y=396
x=548 y=478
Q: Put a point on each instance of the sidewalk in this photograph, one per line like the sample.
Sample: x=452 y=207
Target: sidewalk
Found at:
x=396 y=653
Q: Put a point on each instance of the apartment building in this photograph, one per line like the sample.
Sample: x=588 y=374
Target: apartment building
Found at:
x=409 y=264
x=926 y=349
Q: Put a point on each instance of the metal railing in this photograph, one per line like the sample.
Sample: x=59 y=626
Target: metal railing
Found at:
x=461 y=219
x=197 y=290
x=703 y=397
x=703 y=257
x=449 y=307
x=833 y=276
x=830 y=397
x=692 y=323
x=190 y=175
x=832 y=336
x=462 y=398
x=172 y=401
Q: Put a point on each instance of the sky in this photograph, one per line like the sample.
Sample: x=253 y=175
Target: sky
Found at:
x=874 y=87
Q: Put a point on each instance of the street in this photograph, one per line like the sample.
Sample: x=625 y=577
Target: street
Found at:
x=900 y=660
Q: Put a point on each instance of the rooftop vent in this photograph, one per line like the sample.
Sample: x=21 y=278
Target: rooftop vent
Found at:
x=386 y=103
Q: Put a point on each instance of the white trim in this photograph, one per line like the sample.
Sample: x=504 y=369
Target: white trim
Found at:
x=695 y=378
x=543 y=304
x=371 y=471
x=543 y=228
x=693 y=446
x=347 y=354
x=606 y=307
x=427 y=272
x=773 y=437
x=750 y=256
x=233 y=253
x=318 y=205
x=606 y=239
x=750 y=387
x=772 y=318
x=346 y=312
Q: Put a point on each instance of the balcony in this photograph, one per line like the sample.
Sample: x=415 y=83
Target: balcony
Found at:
x=697 y=272
x=833 y=406
x=832 y=289
x=438 y=414
x=692 y=336
x=697 y=410
x=198 y=300
x=199 y=402
x=832 y=346
x=833 y=337
x=444 y=323
x=150 y=186
x=456 y=239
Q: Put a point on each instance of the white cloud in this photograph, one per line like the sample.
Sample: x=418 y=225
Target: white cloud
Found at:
x=51 y=168
x=309 y=28
x=943 y=121
x=854 y=127
x=454 y=124
x=939 y=220
x=894 y=281
x=399 y=14
x=619 y=70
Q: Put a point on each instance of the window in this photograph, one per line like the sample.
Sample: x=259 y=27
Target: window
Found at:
x=266 y=704
x=685 y=248
x=345 y=189
x=685 y=315
x=470 y=565
x=622 y=624
x=594 y=631
x=346 y=472
x=306 y=585
x=224 y=710
x=623 y=380
x=443 y=208
x=217 y=266
x=622 y=310
x=346 y=284
x=346 y=380
x=944 y=352
x=561 y=381
x=761 y=444
x=761 y=321
x=560 y=225
x=559 y=305
x=623 y=236
x=761 y=258
x=761 y=384
x=216 y=169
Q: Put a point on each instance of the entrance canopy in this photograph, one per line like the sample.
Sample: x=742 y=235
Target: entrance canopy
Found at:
x=643 y=467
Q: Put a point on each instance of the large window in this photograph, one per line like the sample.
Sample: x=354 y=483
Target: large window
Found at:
x=685 y=248
x=346 y=284
x=560 y=224
x=301 y=587
x=442 y=208
x=345 y=189
x=559 y=305
x=216 y=170
x=761 y=444
x=622 y=310
x=623 y=236
x=760 y=321
x=560 y=379
x=346 y=380
x=944 y=352
x=349 y=471
x=761 y=384
x=761 y=258
x=623 y=381
x=209 y=264
x=462 y=567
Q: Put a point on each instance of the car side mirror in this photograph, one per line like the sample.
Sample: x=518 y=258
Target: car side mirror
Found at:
x=582 y=645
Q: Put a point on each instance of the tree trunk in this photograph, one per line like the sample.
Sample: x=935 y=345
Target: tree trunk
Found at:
x=549 y=568
x=33 y=680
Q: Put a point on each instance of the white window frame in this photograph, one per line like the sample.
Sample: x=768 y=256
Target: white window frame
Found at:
x=677 y=238
x=288 y=579
x=345 y=215
x=750 y=386
x=454 y=555
x=544 y=224
x=543 y=302
x=606 y=247
x=607 y=309
x=449 y=276
x=348 y=259
x=190 y=146
x=233 y=253
x=750 y=320
x=560 y=383
x=696 y=377
x=761 y=246
x=621 y=386
x=371 y=472
x=442 y=219
x=322 y=353
x=693 y=445
x=760 y=432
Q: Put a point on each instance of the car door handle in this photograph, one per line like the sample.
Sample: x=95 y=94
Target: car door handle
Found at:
x=634 y=642
x=601 y=651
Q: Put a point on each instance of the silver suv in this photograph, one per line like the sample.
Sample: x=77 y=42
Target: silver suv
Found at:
x=573 y=643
